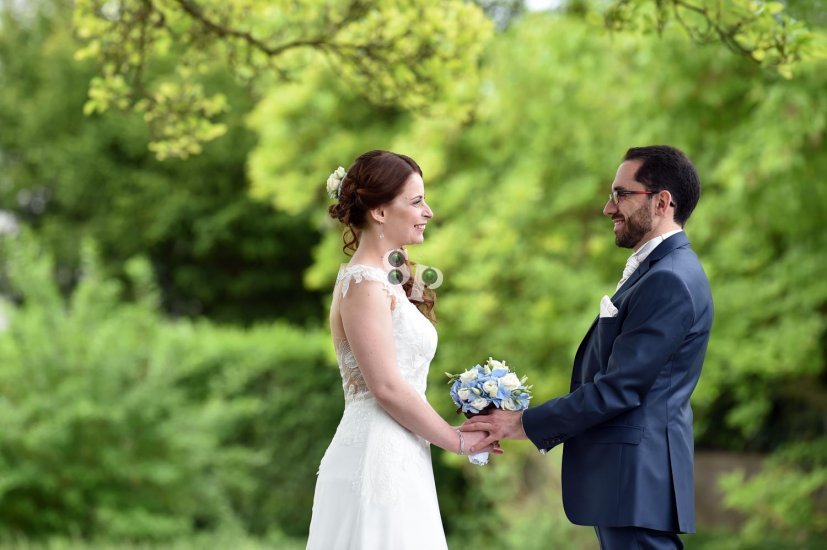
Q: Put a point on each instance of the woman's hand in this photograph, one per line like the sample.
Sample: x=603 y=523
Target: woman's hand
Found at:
x=475 y=438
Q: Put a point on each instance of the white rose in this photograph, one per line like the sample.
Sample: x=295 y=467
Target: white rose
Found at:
x=334 y=180
x=479 y=403
x=510 y=381
x=332 y=185
x=464 y=393
x=490 y=387
x=508 y=404
x=494 y=364
x=468 y=376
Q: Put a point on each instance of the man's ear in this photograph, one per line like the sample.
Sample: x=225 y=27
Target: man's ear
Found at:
x=664 y=199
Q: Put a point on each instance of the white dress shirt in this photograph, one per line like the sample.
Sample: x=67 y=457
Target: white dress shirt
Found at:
x=639 y=255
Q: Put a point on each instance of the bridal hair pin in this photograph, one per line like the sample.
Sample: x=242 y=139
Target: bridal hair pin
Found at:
x=334 y=183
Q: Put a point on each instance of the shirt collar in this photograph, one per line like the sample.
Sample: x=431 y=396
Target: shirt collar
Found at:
x=643 y=252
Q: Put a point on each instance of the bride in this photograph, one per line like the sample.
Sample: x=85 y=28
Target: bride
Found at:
x=375 y=488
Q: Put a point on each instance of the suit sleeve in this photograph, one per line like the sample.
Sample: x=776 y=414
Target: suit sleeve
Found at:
x=659 y=316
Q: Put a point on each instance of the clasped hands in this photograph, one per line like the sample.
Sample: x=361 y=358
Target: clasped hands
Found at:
x=495 y=425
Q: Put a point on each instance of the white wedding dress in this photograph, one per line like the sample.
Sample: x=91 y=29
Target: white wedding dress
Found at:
x=375 y=488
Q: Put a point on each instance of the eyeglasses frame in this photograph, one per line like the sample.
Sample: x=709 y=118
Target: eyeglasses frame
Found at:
x=615 y=195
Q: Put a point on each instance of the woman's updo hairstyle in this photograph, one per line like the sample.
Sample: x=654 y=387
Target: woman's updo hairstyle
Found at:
x=374 y=179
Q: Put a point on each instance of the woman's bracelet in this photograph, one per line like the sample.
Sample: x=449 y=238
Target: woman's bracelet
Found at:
x=461 y=443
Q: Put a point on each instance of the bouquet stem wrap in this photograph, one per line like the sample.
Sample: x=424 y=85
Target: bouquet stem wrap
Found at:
x=480 y=459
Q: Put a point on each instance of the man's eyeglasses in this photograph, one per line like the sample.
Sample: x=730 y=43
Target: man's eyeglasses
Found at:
x=615 y=195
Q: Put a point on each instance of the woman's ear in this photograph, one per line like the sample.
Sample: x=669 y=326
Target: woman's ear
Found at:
x=378 y=214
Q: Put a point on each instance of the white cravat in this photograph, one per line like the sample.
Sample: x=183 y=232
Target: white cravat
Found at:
x=631 y=265
x=641 y=254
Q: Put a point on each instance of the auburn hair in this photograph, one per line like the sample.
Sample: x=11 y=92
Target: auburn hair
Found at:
x=376 y=178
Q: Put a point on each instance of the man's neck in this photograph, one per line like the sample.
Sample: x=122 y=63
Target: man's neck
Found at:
x=657 y=232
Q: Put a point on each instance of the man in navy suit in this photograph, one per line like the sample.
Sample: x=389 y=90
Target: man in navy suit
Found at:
x=627 y=423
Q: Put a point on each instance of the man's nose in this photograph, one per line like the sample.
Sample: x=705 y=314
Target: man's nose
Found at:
x=610 y=208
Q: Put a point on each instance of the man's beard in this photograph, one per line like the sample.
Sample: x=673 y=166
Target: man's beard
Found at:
x=634 y=227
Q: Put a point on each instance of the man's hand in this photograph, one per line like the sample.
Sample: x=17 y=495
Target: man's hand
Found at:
x=499 y=424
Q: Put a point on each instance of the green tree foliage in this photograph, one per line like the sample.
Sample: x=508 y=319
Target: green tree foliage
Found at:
x=121 y=425
x=413 y=53
x=784 y=503
x=811 y=11
x=527 y=254
x=214 y=250
x=758 y=29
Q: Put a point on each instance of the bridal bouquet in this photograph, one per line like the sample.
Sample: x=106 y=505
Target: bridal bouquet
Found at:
x=482 y=387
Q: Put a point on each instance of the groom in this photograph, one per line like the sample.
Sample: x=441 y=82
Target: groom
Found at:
x=627 y=423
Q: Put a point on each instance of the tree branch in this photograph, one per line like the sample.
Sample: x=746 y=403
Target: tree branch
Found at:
x=195 y=11
x=727 y=36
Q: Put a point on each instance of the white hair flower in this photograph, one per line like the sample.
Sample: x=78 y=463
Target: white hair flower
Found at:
x=334 y=183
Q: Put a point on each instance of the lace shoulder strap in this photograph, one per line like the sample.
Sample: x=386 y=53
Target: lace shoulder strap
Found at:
x=359 y=273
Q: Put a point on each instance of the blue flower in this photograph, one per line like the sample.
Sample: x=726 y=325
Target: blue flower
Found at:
x=522 y=399
x=499 y=372
x=503 y=393
x=454 y=394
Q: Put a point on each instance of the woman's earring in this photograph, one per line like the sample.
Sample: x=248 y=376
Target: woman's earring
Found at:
x=381 y=230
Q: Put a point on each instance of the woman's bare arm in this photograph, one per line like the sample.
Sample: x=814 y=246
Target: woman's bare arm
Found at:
x=366 y=317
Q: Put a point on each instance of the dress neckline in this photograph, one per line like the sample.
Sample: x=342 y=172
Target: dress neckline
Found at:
x=358 y=272
x=350 y=266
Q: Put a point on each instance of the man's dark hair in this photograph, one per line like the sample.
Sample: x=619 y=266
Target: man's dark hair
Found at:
x=667 y=168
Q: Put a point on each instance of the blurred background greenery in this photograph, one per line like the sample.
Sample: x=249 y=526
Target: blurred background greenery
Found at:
x=166 y=375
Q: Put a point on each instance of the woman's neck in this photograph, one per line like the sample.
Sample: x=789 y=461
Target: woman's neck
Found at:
x=372 y=252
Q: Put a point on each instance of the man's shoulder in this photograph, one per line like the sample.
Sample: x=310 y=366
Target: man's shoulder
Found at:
x=681 y=264
x=680 y=256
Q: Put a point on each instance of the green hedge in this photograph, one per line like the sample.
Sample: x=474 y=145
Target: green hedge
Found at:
x=117 y=423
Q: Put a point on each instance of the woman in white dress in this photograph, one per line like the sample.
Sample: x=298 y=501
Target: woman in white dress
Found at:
x=375 y=488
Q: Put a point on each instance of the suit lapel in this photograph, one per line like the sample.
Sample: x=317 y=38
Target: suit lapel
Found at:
x=675 y=241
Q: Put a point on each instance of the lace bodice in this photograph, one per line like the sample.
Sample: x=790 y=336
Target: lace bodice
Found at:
x=414 y=336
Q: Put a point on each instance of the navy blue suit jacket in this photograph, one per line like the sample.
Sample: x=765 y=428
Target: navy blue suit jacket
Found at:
x=627 y=423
